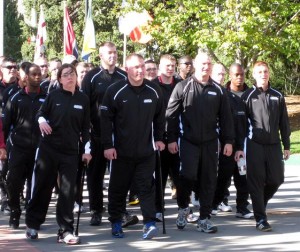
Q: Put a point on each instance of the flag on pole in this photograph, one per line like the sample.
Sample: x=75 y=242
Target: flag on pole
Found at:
x=41 y=36
x=89 y=40
x=70 y=44
x=135 y=24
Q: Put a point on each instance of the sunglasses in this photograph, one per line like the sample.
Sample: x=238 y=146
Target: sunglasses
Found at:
x=187 y=63
x=11 y=67
x=42 y=66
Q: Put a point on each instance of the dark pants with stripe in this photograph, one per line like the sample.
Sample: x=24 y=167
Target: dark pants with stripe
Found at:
x=198 y=165
x=20 y=167
x=265 y=173
x=51 y=163
x=228 y=168
x=123 y=173
x=95 y=175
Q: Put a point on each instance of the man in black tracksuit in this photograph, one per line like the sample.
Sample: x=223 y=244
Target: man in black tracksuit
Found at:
x=64 y=121
x=132 y=110
x=94 y=86
x=23 y=131
x=201 y=106
x=267 y=116
x=170 y=163
x=9 y=78
x=227 y=165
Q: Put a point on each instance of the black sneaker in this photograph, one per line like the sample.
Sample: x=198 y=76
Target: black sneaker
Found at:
x=14 y=219
x=96 y=219
x=32 y=234
x=263 y=226
x=129 y=219
x=244 y=213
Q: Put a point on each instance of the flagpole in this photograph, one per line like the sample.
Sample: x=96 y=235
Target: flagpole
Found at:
x=1 y=27
x=124 y=49
x=64 y=5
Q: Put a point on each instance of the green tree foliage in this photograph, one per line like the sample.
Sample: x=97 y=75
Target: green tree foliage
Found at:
x=12 y=30
x=231 y=30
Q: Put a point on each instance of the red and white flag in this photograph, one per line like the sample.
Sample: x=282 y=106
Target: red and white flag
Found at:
x=41 y=36
x=70 y=44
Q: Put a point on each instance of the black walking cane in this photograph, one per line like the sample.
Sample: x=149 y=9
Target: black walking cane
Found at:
x=80 y=197
x=159 y=177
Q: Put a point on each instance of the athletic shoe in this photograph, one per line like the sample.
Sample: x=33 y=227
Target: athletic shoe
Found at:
x=206 y=226
x=129 y=219
x=76 y=208
x=263 y=226
x=133 y=200
x=224 y=207
x=67 y=238
x=181 y=220
x=5 y=207
x=150 y=230
x=32 y=234
x=215 y=210
x=194 y=200
x=244 y=213
x=14 y=219
x=192 y=218
x=116 y=230
x=159 y=217
x=96 y=218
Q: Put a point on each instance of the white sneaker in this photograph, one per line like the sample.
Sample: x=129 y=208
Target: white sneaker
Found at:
x=194 y=201
x=214 y=211
x=76 y=208
x=192 y=218
x=224 y=207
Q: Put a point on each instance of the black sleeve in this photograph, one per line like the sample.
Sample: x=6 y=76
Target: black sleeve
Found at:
x=159 y=118
x=226 y=120
x=107 y=118
x=240 y=123
x=45 y=108
x=85 y=132
x=173 y=112
x=7 y=117
x=284 y=125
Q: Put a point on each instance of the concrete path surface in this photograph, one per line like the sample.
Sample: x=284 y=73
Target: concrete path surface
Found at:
x=234 y=234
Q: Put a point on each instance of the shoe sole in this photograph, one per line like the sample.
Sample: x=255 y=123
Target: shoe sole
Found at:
x=152 y=233
x=244 y=216
x=265 y=230
x=132 y=203
x=208 y=231
x=118 y=236
x=68 y=243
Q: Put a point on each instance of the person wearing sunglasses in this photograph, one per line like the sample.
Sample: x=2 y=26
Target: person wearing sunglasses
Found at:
x=9 y=78
x=151 y=69
x=185 y=67
x=43 y=64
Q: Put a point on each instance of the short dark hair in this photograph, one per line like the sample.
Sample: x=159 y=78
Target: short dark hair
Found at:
x=64 y=66
x=8 y=59
x=150 y=61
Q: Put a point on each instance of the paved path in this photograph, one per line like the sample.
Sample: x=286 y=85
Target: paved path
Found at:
x=234 y=234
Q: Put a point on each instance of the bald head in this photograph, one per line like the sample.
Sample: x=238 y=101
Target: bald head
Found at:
x=202 y=67
x=218 y=73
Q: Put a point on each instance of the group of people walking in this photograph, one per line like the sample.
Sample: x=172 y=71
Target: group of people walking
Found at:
x=122 y=119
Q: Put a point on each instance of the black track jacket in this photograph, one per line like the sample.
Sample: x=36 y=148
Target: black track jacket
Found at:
x=202 y=109
x=134 y=115
x=69 y=117
x=238 y=110
x=267 y=115
x=94 y=85
x=19 y=119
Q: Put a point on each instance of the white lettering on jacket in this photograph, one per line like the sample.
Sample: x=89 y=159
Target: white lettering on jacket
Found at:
x=77 y=106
